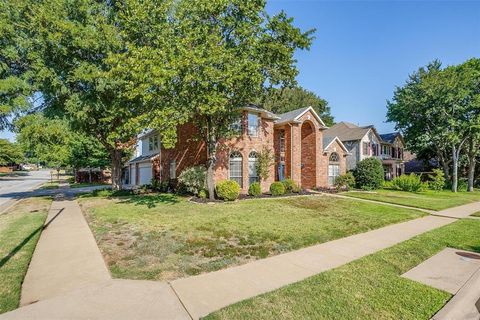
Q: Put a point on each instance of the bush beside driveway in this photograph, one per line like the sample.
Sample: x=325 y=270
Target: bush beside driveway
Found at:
x=165 y=237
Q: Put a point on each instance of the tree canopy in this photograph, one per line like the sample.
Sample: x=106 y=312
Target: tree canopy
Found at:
x=438 y=109
x=288 y=99
x=10 y=153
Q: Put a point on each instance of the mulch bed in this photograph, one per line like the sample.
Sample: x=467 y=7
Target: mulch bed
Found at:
x=248 y=197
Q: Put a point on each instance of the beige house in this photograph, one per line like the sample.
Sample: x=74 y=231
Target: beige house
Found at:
x=364 y=142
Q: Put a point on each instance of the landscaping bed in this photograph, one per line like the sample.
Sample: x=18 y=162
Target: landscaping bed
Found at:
x=20 y=229
x=164 y=236
x=368 y=288
x=432 y=200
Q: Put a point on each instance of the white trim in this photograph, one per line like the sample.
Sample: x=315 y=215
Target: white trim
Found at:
x=314 y=114
x=339 y=142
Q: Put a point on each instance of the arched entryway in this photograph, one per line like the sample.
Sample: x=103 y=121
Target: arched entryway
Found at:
x=309 y=159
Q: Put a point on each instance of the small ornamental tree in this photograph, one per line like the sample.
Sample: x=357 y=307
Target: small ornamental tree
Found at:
x=437 y=180
x=265 y=161
x=369 y=174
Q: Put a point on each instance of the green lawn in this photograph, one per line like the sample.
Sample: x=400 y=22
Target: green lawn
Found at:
x=368 y=288
x=20 y=228
x=50 y=185
x=86 y=184
x=163 y=237
x=427 y=200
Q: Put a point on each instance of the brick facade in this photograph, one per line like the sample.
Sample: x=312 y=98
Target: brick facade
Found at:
x=303 y=158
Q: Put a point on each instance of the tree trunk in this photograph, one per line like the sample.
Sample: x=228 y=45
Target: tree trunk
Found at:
x=454 y=172
x=90 y=175
x=471 y=164
x=211 y=160
x=116 y=157
x=445 y=167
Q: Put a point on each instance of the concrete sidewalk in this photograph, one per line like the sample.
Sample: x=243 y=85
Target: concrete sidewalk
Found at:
x=69 y=277
x=209 y=292
x=66 y=257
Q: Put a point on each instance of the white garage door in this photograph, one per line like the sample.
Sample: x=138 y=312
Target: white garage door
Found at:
x=145 y=173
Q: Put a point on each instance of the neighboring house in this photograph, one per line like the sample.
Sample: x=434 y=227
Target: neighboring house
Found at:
x=364 y=142
x=296 y=139
x=393 y=147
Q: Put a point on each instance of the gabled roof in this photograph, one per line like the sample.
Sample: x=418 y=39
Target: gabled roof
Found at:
x=294 y=115
x=390 y=137
x=347 y=131
x=263 y=112
x=144 y=158
x=327 y=141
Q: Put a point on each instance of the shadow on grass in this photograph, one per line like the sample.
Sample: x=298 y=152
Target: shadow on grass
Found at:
x=151 y=201
x=19 y=247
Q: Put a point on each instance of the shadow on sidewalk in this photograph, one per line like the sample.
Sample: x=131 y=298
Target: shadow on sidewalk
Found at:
x=15 y=250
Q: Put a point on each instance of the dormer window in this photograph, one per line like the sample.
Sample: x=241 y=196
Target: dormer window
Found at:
x=253 y=124
x=153 y=143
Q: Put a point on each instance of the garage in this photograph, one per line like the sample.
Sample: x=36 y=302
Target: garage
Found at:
x=145 y=173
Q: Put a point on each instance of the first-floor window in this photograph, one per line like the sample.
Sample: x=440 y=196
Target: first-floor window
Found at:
x=236 y=172
x=173 y=169
x=333 y=168
x=252 y=167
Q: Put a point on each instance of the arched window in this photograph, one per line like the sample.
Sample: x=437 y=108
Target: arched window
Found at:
x=252 y=167
x=236 y=172
x=333 y=168
x=334 y=157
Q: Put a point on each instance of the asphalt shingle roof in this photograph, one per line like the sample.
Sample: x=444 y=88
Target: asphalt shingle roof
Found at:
x=389 y=137
x=346 y=131
x=291 y=115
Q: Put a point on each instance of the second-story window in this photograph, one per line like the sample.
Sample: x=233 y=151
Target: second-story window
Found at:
x=236 y=126
x=282 y=141
x=365 y=148
x=253 y=124
x=152 y=143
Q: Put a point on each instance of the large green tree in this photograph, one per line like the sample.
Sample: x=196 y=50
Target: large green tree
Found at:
x=437 y=109
x=87 y=60
x=10 y=153
x=288 y=99
x=231 y=51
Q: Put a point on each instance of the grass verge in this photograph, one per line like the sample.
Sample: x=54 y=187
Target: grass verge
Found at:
x=83 y=185
x=368 y=288
x=164 y=237
x=20 y=228
x=431 y=200
x=50 y=185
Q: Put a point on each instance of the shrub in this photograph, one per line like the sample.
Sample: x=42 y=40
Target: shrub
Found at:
x=296 y=188
x=203 y=194
x=228 y=190
x=437 y=180
x=193 y=179
x=277 y=188
x=411 y=183
x=265 y=160
x=369 y=174
x=155 y=183
x=345 y=181
x=255 y=190
x=289 y=185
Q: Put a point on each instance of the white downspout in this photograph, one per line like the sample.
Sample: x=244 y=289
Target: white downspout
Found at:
x=291 y=150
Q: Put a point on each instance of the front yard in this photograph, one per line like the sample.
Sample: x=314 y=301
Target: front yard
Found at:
x=20 y=228
x=164 y=237
x=431 y=200
x=369 y=288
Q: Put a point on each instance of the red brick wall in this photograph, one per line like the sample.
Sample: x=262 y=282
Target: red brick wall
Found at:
x=308 y=155
x=245 y=144
x=334 y=147
x=190 y=151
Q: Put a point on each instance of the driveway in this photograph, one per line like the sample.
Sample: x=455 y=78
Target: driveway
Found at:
x=13 y=187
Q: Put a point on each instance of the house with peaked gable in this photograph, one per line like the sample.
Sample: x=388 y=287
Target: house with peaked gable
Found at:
x=301 y=150
x=364 y=142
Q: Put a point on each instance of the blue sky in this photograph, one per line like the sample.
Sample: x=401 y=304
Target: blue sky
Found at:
x=363 y=49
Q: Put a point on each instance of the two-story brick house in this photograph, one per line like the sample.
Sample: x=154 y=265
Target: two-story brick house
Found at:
x=296 y=139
